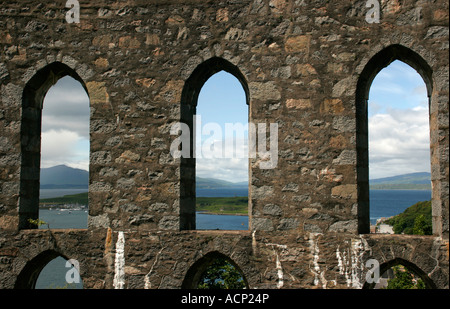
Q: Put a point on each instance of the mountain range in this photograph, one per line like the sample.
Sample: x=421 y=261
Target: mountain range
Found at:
x=417 y=181
x=64 y=177
x=212 y=183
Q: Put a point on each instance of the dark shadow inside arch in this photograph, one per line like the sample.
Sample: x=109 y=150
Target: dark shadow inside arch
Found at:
x=429 y=284
x=378 y=62
x=205 y=269
x=30 y=135
x=30 y=274
x=189 y=98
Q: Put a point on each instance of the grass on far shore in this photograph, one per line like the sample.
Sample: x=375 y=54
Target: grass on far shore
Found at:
x=223 y=205
x=81 y=199
x=214 y=205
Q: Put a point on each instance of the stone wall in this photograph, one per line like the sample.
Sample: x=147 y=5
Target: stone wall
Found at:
x=305 y=65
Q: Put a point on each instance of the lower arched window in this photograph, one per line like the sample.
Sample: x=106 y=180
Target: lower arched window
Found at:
x=50 y=270
x=215 y=271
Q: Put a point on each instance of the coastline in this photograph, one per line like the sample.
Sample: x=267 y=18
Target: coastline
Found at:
x=205 y=212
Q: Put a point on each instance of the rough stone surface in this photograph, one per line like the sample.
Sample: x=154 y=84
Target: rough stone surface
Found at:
x=305 y=65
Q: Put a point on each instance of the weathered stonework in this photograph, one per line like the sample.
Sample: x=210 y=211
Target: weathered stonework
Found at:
x=305 y=65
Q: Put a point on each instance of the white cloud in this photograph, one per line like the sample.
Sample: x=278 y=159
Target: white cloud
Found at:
x=399 y=142
x=399 y=131
x=66 y=106
x=226 y=162
x=65 y=125
x=62 y=147
x=234 y=170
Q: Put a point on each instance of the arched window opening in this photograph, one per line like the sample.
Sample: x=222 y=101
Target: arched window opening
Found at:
x=64 y=177
x=215 y=271
x=222 y=155
x=399 y=152
x=191 y=117
x=401 y=274
x=59 y=116
x=50 y=270
x=59 y=273
x=414 y=131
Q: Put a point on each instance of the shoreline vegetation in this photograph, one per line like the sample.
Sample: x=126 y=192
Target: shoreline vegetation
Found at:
x=237 y=205
x=402 y=223
x=414 y=220
x=65 y=201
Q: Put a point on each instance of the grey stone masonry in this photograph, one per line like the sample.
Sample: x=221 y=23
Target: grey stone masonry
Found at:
x=306 y=66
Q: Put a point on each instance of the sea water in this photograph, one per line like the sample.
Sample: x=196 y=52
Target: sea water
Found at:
x=388 y=203
x=383 y=203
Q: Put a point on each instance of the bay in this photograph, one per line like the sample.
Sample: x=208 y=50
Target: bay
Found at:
x=221 y=222
x=388 y=203
x=64 y=218
x=228 y=192
x=383 y=203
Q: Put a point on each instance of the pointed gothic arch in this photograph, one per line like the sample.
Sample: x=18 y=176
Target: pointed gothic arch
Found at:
x=196 y=272
x=416 y=270
x=379 y=61
x=189 y=98
x=30 y=135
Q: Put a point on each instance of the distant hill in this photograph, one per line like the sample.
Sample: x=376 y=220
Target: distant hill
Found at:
x=64 y=177
x=414 y=181
x=212 y=183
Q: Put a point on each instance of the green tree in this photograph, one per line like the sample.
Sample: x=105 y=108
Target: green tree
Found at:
x=422 y=226
x=416 y=219
x=404 y=279
x=221 y=275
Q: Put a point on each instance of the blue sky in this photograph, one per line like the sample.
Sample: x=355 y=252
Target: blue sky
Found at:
x=398 y=124
x=222 y=100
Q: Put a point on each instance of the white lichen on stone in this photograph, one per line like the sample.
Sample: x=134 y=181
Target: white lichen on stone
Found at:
x=350 y=262
x=147 y=283
x=319 y=276
x=119 y=264
x=278 y=266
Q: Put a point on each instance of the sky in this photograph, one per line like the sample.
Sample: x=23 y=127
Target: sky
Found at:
x=399 y=134
x=222 y=100
x=398 y=125
x=65 y=125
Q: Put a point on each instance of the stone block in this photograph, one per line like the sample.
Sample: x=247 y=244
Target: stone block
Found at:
x=298 y=44
x=345 y=192
x=264 y=91
x=97 y=93
x=129 y=42
x=298 y=103
x=335 y=107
